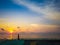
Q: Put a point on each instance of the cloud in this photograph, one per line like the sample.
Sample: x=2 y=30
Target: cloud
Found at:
x=48 y=10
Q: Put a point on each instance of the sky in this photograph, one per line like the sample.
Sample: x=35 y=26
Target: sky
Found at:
x=30 y=15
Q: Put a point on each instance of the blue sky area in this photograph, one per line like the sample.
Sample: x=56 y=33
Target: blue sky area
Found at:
x=31 y=11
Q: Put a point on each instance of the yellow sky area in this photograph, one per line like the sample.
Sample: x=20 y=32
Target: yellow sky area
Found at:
x=14 y=28
x=29 y=28
x=7 y=28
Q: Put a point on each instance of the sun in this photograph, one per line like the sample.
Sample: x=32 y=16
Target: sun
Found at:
x=11 y=31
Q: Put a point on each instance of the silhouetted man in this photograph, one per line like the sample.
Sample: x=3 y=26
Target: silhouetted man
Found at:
x=18 y=36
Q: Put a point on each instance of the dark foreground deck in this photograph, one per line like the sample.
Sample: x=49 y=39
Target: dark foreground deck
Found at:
x=30 y=42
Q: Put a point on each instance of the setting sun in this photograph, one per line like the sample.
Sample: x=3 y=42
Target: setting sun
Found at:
x=10 y=30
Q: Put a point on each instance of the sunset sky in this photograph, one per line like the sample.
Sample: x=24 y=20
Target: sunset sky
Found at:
x=30 y=16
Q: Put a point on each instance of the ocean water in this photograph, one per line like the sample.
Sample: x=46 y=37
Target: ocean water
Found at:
x=29 y=36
